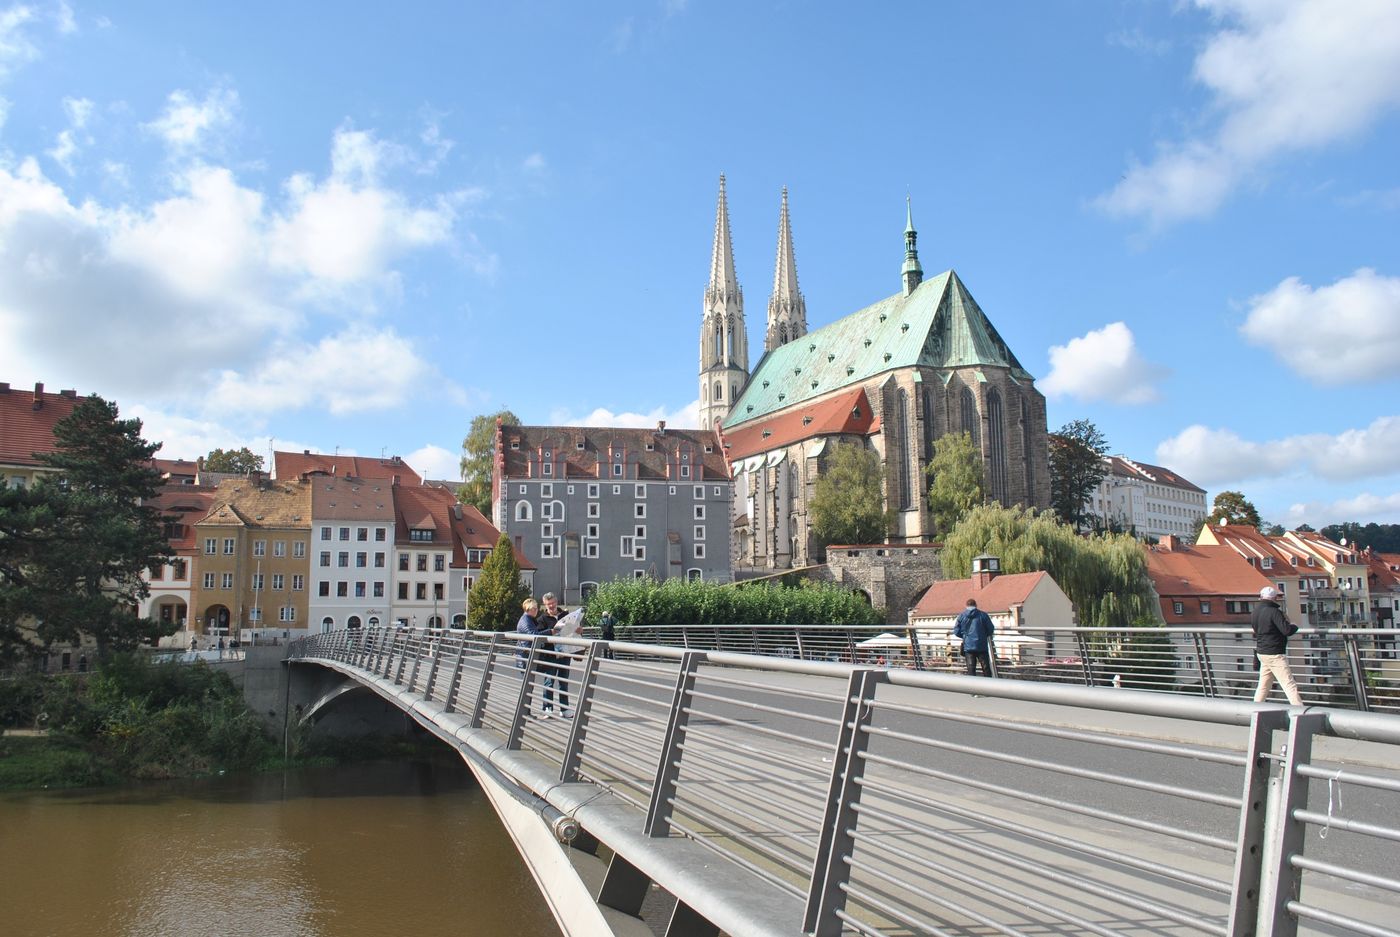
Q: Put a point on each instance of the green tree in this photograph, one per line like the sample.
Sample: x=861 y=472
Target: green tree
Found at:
x=1076 y=468
x=958 y=485
x=1104 y=575
x=494 y=602
x=847 y=505
x=479 y=459
x=234 y=461
x=1233 y=508
x=74 y=546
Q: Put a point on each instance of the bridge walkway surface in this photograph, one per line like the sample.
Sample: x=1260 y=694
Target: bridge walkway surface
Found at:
x=773 y=796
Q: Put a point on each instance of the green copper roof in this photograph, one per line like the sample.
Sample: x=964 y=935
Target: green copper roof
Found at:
x=939 y=325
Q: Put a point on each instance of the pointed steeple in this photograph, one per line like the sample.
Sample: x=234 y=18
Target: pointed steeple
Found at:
x=787 y=310
x=913 y=273
x=724 y=343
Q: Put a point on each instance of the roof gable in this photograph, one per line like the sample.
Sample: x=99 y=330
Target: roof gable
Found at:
x=949 y=596
x=847 y=413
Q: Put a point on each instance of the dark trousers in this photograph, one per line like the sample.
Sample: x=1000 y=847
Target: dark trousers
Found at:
x=555 y=670
x=972 y=658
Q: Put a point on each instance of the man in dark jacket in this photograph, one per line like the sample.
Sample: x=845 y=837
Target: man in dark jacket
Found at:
x=556 y=659
x=975 y=627
x=1271 y=632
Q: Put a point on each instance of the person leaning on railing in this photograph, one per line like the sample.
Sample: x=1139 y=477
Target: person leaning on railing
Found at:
x=1272 y=630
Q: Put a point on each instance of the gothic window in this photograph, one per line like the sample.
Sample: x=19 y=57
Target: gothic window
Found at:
x=782 y=334
x=900 y=439
x=996 y=444
x=928 y=422
x=719 y=391
x=705 y=393
x=1026 y=450
x=969 y=416
x=719 y=343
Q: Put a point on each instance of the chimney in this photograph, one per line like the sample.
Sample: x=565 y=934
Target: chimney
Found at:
x=4 y=387
x=1170 y=543
x=661 y=427
x=985 y=568
x=306 y=452
x=457 y=511
x=38 y=396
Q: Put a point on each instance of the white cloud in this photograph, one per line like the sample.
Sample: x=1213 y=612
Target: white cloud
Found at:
x=66 y=144
x=1274 y=75
x=1366 y=507
x=534 y=163
x=67 y=23
x=186 y=123
x=1220 y=456
x=1102 y=365
x=16 y=48
x=436 y=462
x=1345 y=333
x=687 y=417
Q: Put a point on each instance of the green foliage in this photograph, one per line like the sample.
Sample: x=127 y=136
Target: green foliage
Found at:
x=1382 y=538
x=1233 y=508
x=1104 y=575
x=1076 y=468
x=73 y=546
x=677 y=602
x=478 y=459
x=957 y=484
x=1146 y=660
x=847 y=506
x=494 y=602
x=235 y=461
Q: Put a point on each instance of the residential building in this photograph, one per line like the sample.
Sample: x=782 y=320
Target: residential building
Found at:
x=1339 y=593
x=1146 y=500
x=474 y=539
x=352 y=549
x=428 y=534
x=892 y=377
x=183 y=505
x=1384 y=584
x=252 y=566
x=27 y=422
x=294 y=465
x=587 y=505
x=180 y=471
x=1014 y=602
x=1204 y=584
x=1283 y=563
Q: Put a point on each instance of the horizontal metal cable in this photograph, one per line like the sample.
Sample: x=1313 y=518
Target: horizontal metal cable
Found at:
x=1301 y=910
x=1342 y=872
x=774 y=710
x=699 y=776
x=714 y=845
x=882 y=904
x=1343 y=776
x=798 y=862
x=1351 y=826
x=714 y=675
x=749 y=727
x=762 y=756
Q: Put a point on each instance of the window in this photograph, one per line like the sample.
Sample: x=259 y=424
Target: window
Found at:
x=287 y=613
x=323 y=589
x=547 y=510
x=718 y=492
x=403 y=562
x=420 y=591
x=180 y=570
x=298 y=549
x=437 y=591
x=546 y=490
x=639 y=574
x=699 y=531
x=255 y=614
x=593 y=509
x=1205 y=607
x=694 y=575
x=345 y=533
x=361 y=533
x=640 y=531
x=522 y=510
x=279 y=582
x=592 y=531
x=639 y=491
x=227 y=581
x=1178 y=608
x=259 y=547
x=379 y=590
x=325 y=533
x=546 y=531
x=590 y=549
x=361 y=560
x=439 y=562
x=342 y=559
x=547 y=550
x=672 y=490
x=639 y=552
x=699 y=512
x=639 y=510
x=325 y=557
x=403 y=590
x=279 y=548
x=327 y=623
x=420 y=535
x=592 y=491
x=379 y=534
x=211 y=546
x=422 y=562
x=342 y=589
x=359 y=590
x=617 y=470
x=627 y=547
x=699 y=492
x=298 y=582
x=547 y=469
x=617 y=489
x=228 y=546
x=208 y=580
x=379 y=561
x=685 y=471
x=699 y=551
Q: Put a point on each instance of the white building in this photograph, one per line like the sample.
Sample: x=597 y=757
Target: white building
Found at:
x=1147 y=500
x=352 y=539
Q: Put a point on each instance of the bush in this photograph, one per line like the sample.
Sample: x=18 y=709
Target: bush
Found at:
x=677 y=602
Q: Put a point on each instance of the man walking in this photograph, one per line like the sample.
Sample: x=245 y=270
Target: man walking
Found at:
x=1272 y=630
x=557 y=657
x=975 y=628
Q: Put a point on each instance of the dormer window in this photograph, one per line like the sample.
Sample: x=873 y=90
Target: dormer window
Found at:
x=1267 y=562
x=419 y=535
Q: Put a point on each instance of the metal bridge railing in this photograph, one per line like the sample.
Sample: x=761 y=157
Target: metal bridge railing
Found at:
x=889 y=803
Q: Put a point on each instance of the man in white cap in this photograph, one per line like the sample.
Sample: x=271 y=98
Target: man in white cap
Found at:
x=1272 y=630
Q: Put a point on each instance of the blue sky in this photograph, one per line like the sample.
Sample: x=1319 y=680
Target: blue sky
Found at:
x=345 y=226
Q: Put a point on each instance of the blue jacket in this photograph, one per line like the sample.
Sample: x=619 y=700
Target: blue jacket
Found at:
x=974 y=626
x=528 y=625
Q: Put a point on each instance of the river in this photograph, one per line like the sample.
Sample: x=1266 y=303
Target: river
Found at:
x=350 y=851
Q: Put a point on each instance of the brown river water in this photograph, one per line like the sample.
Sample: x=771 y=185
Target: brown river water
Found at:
x=358 y=850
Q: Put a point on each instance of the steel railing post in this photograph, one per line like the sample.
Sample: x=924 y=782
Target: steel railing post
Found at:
x=1249 y=845
x=433 y=667
x=417 y=645
x=1288 y=792
x=403 y=662
x=658 y=823
x=583 y=704
x=1085 y=660
x=1203 y=665
x=992 y=656
x=522 y=702
x=830 y=871
x=801 y=650
x=1358 y=673
x=479 y=705
x=449 y=702
x=915 y=651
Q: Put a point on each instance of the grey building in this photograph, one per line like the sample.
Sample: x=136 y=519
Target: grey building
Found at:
x=587 y=505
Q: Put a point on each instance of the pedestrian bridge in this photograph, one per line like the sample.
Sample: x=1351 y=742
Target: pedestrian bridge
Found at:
x=715 y=792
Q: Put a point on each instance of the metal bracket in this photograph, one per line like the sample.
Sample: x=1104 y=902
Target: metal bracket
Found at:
x=658 y=822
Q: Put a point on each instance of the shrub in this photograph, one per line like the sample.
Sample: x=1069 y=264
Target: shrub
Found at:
x=677 y=602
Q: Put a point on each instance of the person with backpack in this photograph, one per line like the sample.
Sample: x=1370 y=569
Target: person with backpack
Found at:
x=975 y=628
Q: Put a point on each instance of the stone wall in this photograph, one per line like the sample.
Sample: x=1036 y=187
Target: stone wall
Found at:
x=894 y=576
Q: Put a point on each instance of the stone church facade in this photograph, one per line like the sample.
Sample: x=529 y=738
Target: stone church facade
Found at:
x=892 y=377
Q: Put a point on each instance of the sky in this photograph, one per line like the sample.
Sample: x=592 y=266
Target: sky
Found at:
x=354 y=227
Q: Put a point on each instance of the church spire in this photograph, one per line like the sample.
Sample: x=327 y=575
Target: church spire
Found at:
x=787 y=310
x=724 y=343
x=913 y=273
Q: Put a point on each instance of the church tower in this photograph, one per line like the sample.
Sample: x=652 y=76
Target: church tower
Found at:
x=912 y=272
x=787 y=310
x=724 y=343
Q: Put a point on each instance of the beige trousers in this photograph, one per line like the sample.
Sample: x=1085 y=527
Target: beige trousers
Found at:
x=1276 y=665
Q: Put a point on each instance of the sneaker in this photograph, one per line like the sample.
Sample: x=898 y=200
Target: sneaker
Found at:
x=566 y=714
x=545 y=713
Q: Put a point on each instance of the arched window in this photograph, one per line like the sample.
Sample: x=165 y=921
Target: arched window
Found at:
x=327 y=623
x=782 y=334
x=1026 y=451
x=901 y=435
x=719 y=391
x=374 y=621
x=694 y=575
x=719 y=342
x=969 y=416
x=996 y=444
x=928 y=423
x=459 y=621
x=435 y=621
x=353 y=622
x=704 y=393
x=522 y=510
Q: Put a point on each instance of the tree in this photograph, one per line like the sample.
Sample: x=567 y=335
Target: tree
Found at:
x=479 y=459
x=1104 y=575
x=1076 y=469
x=494 y=602
x=73 y=547
x=958 y=485
x=1233 y=508
x=1270 y=529
x=847 y=505
x=1382 y=538
x=233 y=461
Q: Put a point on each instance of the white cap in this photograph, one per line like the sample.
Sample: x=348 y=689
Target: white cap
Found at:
x=1268 y=592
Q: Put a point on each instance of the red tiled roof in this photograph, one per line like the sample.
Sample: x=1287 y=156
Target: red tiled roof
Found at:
x=1249 y=543
x=583 y=452
x=949 y=596
x=173 y=467
x=846 y=413
x=352 y=499
x=291 y=465
x=185 y=505
x=1132 y=468
x=27 y=420
x=1211 y=573
x=428 y=507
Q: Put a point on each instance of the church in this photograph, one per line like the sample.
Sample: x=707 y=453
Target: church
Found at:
x=892 y=377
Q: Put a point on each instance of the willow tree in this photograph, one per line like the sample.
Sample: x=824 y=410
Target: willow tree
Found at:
x=1104 y=575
